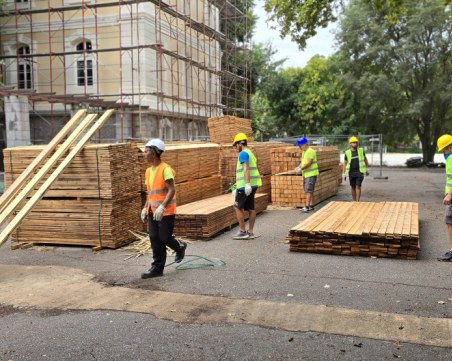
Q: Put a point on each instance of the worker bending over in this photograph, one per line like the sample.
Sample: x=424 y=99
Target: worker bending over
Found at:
x=355 y=165
x=247 y=180
x=309 y=169
x=445 y=146
x=160 y=209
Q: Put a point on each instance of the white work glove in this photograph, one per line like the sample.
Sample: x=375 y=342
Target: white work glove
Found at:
x=248 y=189
x=158 y=214
x=297 y=170
x=143 y=215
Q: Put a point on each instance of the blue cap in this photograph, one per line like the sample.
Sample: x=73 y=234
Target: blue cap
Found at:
x=302 y=141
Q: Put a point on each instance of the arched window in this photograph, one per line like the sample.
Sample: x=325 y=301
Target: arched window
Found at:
x=84 y=64
x=24 y=71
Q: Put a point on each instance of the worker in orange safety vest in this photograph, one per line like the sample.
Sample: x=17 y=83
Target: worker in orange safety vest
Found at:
x=160 y=209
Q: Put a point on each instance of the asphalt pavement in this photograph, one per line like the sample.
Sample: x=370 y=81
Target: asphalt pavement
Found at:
x=260 y=269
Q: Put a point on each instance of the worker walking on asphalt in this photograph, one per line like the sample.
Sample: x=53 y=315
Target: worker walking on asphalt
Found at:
x=309 y=169
x=355 y=165
x=247 y=180
x=160 y=209
x=445 y=146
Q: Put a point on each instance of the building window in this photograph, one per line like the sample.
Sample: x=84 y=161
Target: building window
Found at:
x=24 y=73
x=84 y=65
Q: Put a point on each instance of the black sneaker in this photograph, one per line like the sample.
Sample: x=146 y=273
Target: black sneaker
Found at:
x=446 y=257
x=311 y=209
x=152 y=273
x=180 y=254
x=305 y=209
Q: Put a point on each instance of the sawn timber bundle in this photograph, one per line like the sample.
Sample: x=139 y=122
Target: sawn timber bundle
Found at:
x=206 y=218
x=222 y=129
x=378 y=229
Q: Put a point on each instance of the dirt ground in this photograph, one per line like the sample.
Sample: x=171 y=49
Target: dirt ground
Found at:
x=395 y=308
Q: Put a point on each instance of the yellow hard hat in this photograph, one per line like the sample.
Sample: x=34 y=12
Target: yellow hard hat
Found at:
x=353 y=140
x=238 y=137
x=444 y=141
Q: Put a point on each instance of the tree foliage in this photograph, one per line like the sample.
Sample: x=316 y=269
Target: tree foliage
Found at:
x=399 y=75
x=300 y=19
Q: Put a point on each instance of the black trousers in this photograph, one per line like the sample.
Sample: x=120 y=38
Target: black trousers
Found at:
x=161 y=235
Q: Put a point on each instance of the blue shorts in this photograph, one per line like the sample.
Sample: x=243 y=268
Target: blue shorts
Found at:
x=309 y=184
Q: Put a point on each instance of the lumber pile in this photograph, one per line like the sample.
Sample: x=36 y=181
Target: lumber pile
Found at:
x=222 y=129
x=287 y=188
x=205 y=218
x=197 y=170
x=94 y=202
x=262 y=152
x=370 y=229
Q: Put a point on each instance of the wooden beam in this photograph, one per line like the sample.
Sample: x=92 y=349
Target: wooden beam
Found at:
x=46 y=167
x=14 y=223
x=15 y=187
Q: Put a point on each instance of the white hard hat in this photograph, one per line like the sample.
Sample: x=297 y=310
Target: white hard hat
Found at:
x=158 y=143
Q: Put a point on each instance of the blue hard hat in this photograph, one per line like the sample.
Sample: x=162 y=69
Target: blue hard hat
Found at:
x=302 y=141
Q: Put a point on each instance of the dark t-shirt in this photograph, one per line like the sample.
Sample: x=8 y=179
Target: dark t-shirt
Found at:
x=354 y=163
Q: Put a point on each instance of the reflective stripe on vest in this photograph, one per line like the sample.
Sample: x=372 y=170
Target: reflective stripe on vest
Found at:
x=361 y=160
x=448 y=174
x=255 y=178
x=157 y=191
x=313 y=169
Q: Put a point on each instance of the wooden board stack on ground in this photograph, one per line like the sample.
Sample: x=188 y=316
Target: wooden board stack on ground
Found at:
x=204 y=219
x=94 y=202
x=197 y=170
x=223 y=129
x=287 y=187
x=262 y=151
x=371 y=229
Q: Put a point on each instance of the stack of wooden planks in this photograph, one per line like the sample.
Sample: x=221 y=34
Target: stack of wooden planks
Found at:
x=377 y=229
x=204 y=219
x=262 y=151
x=223 y=129
x=95 y=201
x=287 y=187
x=197 y=170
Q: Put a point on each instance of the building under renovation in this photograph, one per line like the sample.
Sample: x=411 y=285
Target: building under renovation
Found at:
x=166 y=66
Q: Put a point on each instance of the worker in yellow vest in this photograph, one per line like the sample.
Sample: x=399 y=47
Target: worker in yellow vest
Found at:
x=160 y=209
x=445 y=145
x=309 y=169
x=248 y=180
x=355 y=165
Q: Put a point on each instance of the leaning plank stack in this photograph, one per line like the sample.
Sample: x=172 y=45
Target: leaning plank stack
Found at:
x=377 y=229
x=223 y=129
x=204 y=219
x=197 y=170
x=287 y=187
x=95 y=201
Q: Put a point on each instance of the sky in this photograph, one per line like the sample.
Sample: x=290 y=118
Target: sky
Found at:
x=321 y=44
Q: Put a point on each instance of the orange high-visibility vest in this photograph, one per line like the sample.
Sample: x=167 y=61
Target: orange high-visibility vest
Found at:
x=157 y=191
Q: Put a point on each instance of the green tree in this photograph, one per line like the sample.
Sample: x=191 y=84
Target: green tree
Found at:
x=399 y=75
x=301 y=18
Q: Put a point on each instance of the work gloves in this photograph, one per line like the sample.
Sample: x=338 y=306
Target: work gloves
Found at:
x=248 y=189
x=158 y=214
x=297 y=170
x=143 y=215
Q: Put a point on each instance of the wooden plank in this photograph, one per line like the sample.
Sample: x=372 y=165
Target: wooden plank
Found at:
x=15 y=187
x=46 y=167
x=12 y=225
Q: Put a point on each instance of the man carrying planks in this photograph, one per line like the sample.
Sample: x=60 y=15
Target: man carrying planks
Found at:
x=445 y=145
x=247 y=180
x=355 y=165
x=160 y=209
x=309 y=169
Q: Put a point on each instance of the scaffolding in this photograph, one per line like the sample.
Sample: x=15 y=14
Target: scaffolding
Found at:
x=166 y=66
